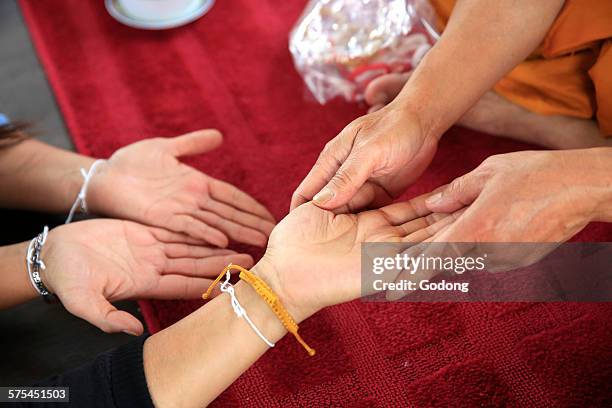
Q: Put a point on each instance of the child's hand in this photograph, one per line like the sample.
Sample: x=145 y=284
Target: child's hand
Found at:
x=146 y=182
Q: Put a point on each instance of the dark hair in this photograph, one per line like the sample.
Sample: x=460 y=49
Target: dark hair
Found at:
x=12 y=133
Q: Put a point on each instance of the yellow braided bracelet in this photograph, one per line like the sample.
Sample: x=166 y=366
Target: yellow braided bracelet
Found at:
x=271 y=299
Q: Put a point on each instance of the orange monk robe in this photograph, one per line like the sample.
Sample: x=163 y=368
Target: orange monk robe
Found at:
x=570 y=73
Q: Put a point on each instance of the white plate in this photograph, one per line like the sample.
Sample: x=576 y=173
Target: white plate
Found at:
x=114 y=9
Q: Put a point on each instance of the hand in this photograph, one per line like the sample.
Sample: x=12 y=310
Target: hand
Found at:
x=313 y=258
x=538 y=197
x=92 y=263
x=369 y=163
x=146 y=182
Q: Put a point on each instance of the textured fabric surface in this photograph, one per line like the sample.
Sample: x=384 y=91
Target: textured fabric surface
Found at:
x=231 y=70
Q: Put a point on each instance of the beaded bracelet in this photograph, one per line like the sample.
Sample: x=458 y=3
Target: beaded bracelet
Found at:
x=35 y=263
x=264 y=291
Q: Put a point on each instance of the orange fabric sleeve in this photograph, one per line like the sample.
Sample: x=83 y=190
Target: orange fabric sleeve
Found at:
x=601 y=75
x=570 y=73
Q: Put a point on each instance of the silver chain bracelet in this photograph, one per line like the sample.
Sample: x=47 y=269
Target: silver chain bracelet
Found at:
x=35 y=263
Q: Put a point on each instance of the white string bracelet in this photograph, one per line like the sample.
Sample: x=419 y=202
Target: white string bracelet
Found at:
x=226 y=287
x=80 y=200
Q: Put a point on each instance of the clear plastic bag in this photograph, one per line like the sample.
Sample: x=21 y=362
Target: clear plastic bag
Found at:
x=339 y=46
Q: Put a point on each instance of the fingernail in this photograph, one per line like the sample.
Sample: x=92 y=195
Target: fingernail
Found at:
x=129 y=333
x=434 y=199
x=323 y=196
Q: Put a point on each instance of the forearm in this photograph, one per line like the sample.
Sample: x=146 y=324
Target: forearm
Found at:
x=190 y=363
x=37 y=176
x=481 y=43
x=598 y=175
x=15 y=286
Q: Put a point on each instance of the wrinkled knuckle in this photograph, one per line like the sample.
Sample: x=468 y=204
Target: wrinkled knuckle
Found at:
x=433 y=218
x=493 y=164
x=328 y=148
x=456 y=186
x=342 y=179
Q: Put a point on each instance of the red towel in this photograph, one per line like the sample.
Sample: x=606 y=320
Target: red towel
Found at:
x=231 y=70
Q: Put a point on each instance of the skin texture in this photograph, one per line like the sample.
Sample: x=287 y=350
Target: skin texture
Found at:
x=451 y=78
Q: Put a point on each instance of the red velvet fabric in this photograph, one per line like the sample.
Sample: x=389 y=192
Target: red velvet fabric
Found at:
x=231 y=70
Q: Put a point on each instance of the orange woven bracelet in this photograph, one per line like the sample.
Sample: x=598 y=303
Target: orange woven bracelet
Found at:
x=271 y=299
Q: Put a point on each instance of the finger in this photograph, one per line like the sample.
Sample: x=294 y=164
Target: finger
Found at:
x=385 y=88
x=370 y=195
x=418 y=229
x=197 y=229
x=459 y=193
x=238 y=216
x=205 y=267
x=411 y=275
x=436 y=223
x=462 y=230
x=98 y=311
x=180 y=287
x=334 y=153
x=400 y=213
x=200 y=141
x=166 y=236
x=231 y=195
x=193 y=251
x=349 y=178
x=235 y=231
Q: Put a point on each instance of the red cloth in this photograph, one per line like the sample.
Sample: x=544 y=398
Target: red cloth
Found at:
x=231 y=70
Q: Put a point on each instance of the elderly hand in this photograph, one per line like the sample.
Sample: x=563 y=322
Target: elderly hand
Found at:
x=92 y=263
x=146 y=182
x=524 y=197
x=370 y=162
x=528 y=196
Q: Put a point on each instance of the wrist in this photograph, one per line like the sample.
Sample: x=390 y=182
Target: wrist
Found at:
x=95 y=195
x=20 y=288
x=47 y=255
x=600 y=180
x=297 y=308
x=409 y=106
x=73 y=180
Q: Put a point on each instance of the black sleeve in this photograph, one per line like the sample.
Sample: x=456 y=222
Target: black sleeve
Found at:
x=114 y=379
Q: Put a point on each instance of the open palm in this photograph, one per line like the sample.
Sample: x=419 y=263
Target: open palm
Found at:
x=95 y=262
x=316 y=254
x=146 y=182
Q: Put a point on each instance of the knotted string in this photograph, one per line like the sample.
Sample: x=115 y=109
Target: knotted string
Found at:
x=81 y=197
x=226 y=287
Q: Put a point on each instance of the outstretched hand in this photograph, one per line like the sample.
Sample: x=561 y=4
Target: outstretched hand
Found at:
x=92 y=263
x=313 y=258
x=146 y=182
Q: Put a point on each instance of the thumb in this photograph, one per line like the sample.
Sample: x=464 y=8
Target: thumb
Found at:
x=459 y=193
x=200 y=141
x=101 y=313
x=349 y=178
